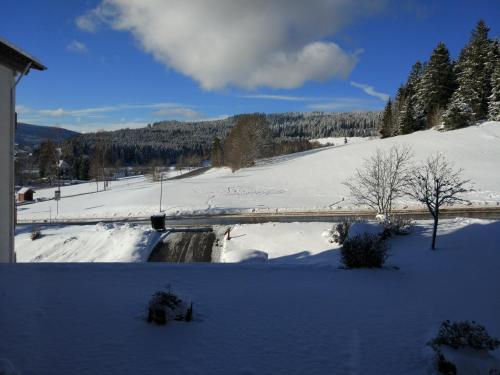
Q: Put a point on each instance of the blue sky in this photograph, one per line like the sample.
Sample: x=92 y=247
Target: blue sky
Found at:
x=127 y=63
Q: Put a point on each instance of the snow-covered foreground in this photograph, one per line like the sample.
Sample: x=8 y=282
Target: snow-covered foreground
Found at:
x=87 y=243
x=302 y=181
x=264 y=318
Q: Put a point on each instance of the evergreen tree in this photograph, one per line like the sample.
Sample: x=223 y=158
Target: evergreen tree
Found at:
x=494 y=99
x=217 y=156
x=473 y=71
x=435 y=86
x=459 y=113
x=386 y=121
x=48 y=159
x=84 y=169
x=407 y=122
x=469 y=102
x=397 y=108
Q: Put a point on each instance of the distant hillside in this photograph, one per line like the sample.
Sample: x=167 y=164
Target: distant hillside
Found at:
x=169 y=139
x=32 y=135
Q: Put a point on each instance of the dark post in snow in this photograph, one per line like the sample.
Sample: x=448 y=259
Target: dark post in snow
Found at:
x=435 y=184
x=161 y=188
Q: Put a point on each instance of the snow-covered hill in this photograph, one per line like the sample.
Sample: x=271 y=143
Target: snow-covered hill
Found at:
x=308 y=180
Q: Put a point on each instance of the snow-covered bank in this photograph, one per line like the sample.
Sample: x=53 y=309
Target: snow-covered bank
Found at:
x=281 y=242
x=87 y=243
x=261 y=318
x=340 y=141
x=302 y=181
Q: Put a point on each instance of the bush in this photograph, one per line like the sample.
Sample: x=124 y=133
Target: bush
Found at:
x=364 y=251
x=396 y=226
x=444 y=366
x=340 y=232
x=458 y=335
x=36 y=233
x=466 y=334
x=163 y=307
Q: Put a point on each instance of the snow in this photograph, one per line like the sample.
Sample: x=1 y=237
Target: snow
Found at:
x=279 y=242
x=310 y=180
x=24 y=190
x=87 y=243
x=359 y=228
x=470 y=361
x=264 y=318
x=340 y=141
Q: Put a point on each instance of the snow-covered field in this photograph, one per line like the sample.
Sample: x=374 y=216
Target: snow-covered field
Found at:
x=280 y=243
x=340 y=141
x=265 y=318
x=304 y=181
x=87 y=243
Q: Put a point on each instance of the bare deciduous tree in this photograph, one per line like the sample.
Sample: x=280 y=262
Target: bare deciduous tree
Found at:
x=249 y=139
x=382 y=179
x=435 y=184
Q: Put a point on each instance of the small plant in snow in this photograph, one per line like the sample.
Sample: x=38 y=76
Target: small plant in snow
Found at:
x=36 y=233
x=466 y=334
x=458 y=335
x=396 y=226
x=340 y=232
x=364 y=251
x=165 y=306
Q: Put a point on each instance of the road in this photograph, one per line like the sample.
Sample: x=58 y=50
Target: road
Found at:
x=282 y=217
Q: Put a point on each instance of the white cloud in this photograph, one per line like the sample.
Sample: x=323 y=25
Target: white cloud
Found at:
x=288 y=98
x=182 y=112
x=92 y=111
x=76 y=46
x=219 y=43
x=108 y=117
x=346 y=104
x=370 y=90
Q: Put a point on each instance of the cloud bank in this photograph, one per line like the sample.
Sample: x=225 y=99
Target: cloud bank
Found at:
x=370 y=90
x=249 y=44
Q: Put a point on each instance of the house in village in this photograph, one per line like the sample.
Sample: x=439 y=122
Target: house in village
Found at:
x=25 y=194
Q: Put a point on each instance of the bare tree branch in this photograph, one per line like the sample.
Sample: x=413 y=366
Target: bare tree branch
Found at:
x=435 y=183
x=382 y=179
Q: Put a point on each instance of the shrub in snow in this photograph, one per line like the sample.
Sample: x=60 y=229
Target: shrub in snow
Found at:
x=396 y=226
x=461 y=335
x=36 y=233
x=165 y=306
x=466 y=334
x=444 y=366
x=364 y=251
x=340 y=232
x=361 y=227
x=189 y=313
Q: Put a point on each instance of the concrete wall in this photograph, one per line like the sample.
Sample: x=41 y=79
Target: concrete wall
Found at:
x=6 y=165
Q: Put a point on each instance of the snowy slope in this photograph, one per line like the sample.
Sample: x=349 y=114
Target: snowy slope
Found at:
x=279 y=242
x=253 y=318
x=308 y=180
x=88 y=243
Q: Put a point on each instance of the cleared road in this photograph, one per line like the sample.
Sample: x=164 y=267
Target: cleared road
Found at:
x=283 y=217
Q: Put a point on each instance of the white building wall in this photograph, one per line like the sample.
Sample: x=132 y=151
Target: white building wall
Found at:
x=7 y=97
